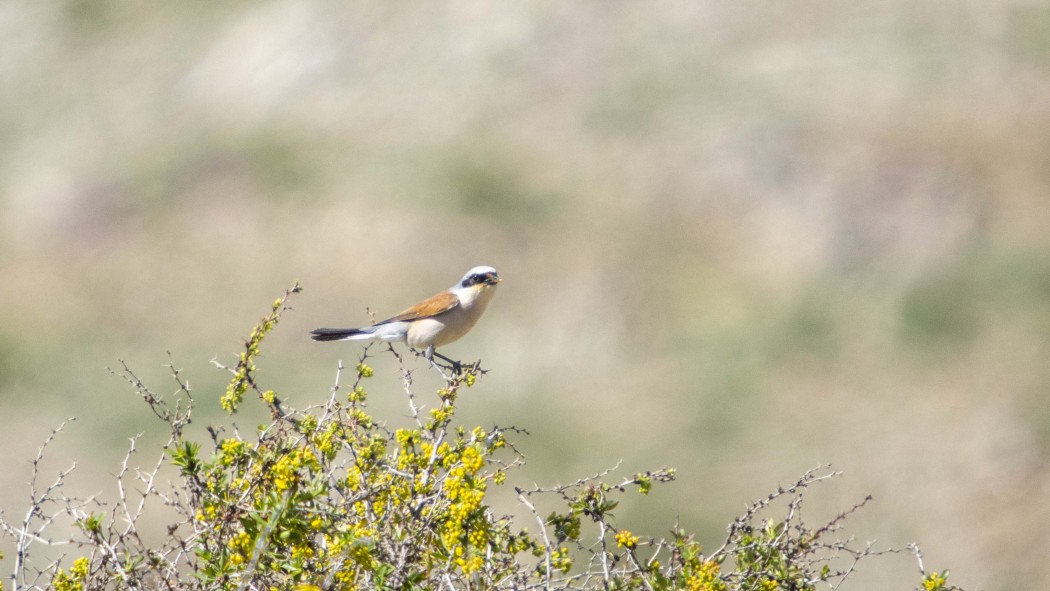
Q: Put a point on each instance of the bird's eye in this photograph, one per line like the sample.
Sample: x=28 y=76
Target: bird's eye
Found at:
x=475 y=278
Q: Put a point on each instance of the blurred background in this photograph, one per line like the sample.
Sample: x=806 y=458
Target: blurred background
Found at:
x=740 y=239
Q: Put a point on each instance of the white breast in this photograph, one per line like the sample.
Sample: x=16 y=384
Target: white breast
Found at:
x=452 y=325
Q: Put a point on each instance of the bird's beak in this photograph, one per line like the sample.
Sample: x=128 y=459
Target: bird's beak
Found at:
x=493 y=280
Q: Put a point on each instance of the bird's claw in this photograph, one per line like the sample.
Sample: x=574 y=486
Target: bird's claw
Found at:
x=456 y=367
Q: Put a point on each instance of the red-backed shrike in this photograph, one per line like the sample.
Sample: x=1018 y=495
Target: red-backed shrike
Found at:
x=437 y=320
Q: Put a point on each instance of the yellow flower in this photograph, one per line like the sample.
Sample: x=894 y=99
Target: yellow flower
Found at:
x=706 y=578
x=472 y=460
x=469 y=565
x=357 y=394
x=560 y=560
x=934 y=581
x=231 y=449
x=80 y=568
x=478 y=538
x=406 y=437
x=626 y=539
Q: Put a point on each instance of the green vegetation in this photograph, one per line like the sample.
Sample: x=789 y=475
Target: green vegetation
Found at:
x=331 y=497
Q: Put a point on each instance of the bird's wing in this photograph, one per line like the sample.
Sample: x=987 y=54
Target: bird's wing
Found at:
x=432 y=306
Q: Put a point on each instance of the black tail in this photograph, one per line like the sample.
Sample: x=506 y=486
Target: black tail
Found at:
x=334 y=334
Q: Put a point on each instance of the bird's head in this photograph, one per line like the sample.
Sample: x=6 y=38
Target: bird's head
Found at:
x=479 y=277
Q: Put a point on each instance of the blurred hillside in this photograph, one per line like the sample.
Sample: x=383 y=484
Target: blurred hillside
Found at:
x=740 y=239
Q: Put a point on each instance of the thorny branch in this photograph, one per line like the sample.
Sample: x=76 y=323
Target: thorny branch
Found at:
x=374 y=506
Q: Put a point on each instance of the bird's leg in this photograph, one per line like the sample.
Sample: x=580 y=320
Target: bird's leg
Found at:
x=428 y=354
x=456 y=366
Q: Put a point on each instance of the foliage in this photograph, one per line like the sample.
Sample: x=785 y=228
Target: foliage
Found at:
x=330 y=497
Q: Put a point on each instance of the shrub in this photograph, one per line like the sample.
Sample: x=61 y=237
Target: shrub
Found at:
x=329 y=497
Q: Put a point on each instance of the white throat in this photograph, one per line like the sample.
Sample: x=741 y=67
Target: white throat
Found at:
x=476 y=296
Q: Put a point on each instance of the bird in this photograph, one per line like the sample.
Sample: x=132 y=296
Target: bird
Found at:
x=436 y=321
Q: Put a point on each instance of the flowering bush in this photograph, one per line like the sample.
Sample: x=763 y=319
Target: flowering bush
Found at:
x=329 y=497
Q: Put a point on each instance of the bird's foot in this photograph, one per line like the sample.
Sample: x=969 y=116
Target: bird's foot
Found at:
x=456 y=367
